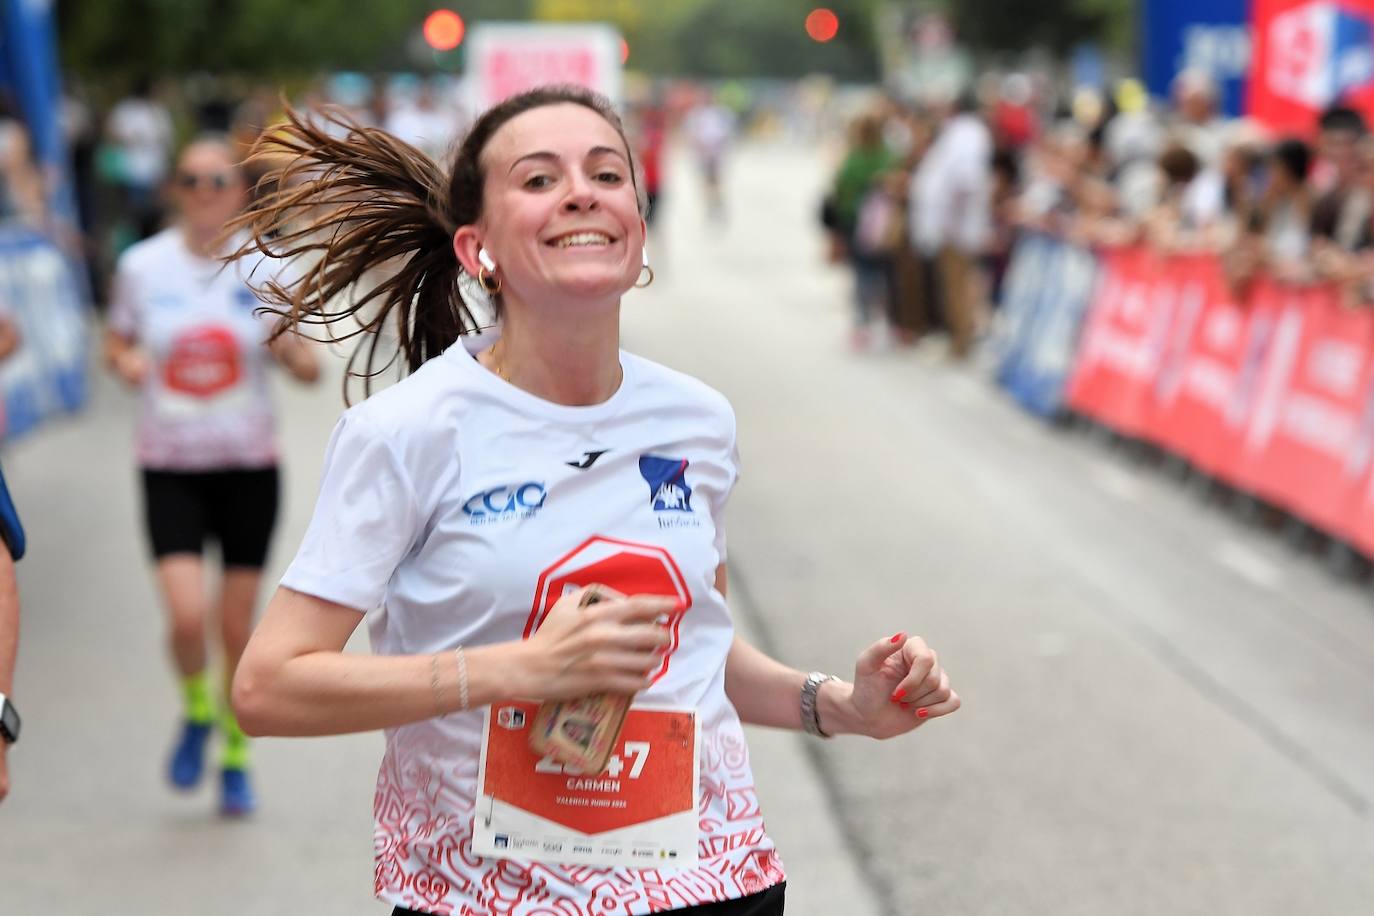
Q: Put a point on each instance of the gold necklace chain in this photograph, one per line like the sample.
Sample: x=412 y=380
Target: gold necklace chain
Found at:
x=496 y=364
x=499 y=368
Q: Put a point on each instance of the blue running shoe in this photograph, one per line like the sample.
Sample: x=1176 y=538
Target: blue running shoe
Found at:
x=236 y=793
x=188 y=758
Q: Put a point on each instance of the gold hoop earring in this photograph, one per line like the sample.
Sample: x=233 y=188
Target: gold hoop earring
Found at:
x=490 y=283
x=647 y=282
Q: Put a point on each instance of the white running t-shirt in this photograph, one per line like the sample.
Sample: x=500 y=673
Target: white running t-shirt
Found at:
x=206 y=404
x=454 y=507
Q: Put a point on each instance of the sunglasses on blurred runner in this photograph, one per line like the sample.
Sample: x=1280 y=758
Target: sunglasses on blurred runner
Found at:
x=216 y=182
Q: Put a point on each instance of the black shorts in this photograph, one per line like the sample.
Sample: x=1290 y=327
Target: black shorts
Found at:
x=764 y=903
x=237 y=509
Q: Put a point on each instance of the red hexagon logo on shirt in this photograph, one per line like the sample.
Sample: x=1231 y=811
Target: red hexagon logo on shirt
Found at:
x=627 y=567
x=204 y=362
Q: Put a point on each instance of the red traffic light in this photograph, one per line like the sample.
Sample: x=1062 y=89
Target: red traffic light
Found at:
x=444 y=30
x=822 y=24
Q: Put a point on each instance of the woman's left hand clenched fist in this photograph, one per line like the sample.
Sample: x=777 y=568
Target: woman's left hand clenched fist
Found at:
x=898 y=686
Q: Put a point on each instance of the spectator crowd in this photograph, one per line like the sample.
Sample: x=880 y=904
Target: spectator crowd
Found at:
x=929 y=199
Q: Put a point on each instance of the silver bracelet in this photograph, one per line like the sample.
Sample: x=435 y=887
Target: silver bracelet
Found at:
x=462 y=677
x=810 y=717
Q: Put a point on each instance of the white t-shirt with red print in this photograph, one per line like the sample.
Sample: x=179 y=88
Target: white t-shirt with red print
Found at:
x=205 y=403
x=455 y=509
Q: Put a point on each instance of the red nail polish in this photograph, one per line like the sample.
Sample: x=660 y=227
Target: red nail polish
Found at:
x=922 y=713
x=899 y=694
x=898 y=637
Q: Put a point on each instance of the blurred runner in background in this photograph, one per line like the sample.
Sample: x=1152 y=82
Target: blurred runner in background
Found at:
x=710 y=128
x=182 y=330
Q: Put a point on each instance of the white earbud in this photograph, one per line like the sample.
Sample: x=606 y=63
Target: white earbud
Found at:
x=485 y=259
x=645 y=252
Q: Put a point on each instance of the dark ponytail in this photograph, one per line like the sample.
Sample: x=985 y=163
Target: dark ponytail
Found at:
x=365 y=206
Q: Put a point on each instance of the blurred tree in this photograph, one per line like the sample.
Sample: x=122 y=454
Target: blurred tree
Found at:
x=732 y=38
x=1015 y=25
x=765 y=38
x=121 y=41
x=113 y=43
x=117 y=42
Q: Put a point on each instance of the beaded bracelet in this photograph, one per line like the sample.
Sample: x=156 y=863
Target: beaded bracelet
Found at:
x=462 y=660
x=462 y=677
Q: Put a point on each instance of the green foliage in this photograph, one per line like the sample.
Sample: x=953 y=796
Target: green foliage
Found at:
x=276 y=39
x=1016 y=25
x=734 y=38
x=121 y=41
x=113 y=42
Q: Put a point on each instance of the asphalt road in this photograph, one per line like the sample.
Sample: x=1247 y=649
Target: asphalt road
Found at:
x=1166 y=710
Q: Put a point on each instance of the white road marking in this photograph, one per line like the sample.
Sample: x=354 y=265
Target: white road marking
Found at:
x=1114 y=481
x=1248 y=564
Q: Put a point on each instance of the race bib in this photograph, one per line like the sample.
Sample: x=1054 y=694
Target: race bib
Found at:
x=639 y=812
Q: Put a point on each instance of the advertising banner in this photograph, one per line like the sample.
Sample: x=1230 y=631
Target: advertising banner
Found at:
x=1269 y=388
x=1212 y=36
x=41 y=293
x=1049 y=286
x=504 y=59
x=1123 y=341
x=1308 y=56
x=1300 y=445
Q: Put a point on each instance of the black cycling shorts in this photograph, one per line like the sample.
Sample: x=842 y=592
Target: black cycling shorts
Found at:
x=764 y=903
x=235 y=508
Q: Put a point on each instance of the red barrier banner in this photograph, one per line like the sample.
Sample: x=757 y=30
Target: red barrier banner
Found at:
x=1202 y=395
x=1308 y=413
x=1264 y=302
x=1357 y=525
x=1270 y=389
x=1123 y=338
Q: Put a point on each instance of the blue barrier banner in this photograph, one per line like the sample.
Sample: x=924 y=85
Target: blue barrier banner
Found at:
x=1208 y=35
x=42 y=292
x=1050 y=284
x=1021 y=291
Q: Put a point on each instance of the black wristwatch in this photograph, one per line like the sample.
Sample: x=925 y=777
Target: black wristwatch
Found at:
x=9 y=720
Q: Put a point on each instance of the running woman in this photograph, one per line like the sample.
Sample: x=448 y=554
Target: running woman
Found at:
x=183 y=331
x=467 y=510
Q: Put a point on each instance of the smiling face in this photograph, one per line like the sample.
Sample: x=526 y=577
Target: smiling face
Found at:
x=560 y=214
x=209 y=188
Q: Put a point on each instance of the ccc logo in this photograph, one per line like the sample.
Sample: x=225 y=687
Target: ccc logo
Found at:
x=506 y=500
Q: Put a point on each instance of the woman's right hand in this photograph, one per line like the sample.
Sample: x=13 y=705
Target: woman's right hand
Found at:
x=612 y=646
x=132 y=365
